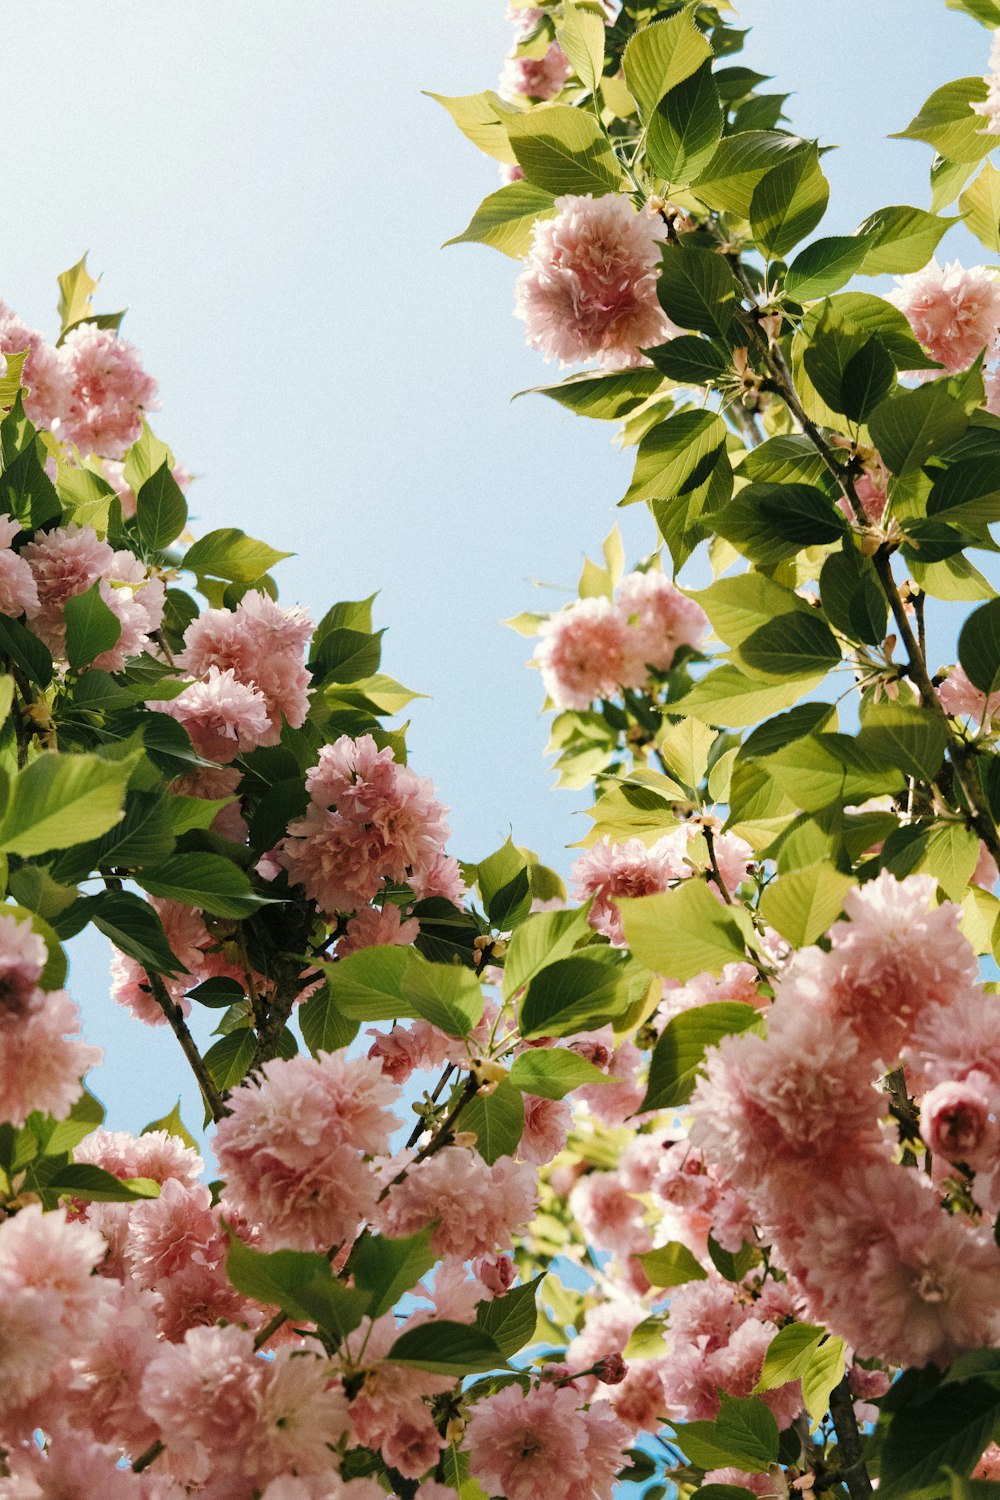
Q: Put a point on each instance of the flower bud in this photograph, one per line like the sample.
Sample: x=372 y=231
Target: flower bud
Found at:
x=611 y=1370
x=955 y=1122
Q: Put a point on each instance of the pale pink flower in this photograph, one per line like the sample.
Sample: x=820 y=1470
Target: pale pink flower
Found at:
x=631 y=868
x=41 y=1062
x=736 y=981
x=510 y=171
x=546 y=1123
x=496 y=1272
x=614 y=1103
x=773 y=1484
x=168 y=1232
x=986 y=873
x=64 y=562
x=871 y=489
x=953 y=311
x=223 y=716
x=661 y=618
x=203 y=1394
x=540 y=1445
x=155 y=1154
x=17 y=585
x=199 y=1295
x=609 y=1216
x=475 y=1208
x=72 y=1467
x=137 y=601
x=733 y=855
x=524 y=18
x=952 y=1042
x=957 y=1122
x=406 y=1048
x=988 y=1466
x=960 y=699
x=377 y=927
x=990 y=106
x=293 y=1151
x=110 y=391
x=102 y=1394
x=23 y=956
x=301 y=1413
x=534 y=77
x=588 y=288
x=582 y=653
x=45 y=377
x=264 y=646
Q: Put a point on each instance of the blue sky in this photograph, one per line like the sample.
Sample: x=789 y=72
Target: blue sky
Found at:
x=267 y=190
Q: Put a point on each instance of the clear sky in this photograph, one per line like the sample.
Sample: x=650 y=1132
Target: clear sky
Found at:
x=265 y=187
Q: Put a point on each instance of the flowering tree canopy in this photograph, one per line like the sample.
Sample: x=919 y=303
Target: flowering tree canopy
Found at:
x=688 y=1176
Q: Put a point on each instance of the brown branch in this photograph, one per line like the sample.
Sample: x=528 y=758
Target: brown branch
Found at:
x=959 y=752
x=145 y=1459
x=178 y=1025
x=854 y=1472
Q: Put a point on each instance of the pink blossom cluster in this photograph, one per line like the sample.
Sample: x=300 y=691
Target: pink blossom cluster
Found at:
x=588 y=287
x=41 y=1061
x=963 y=700
x=68 y=561
x=597 y=646
x=609 y=871
x=537 y=78
x=901 y=1264
x=953 y=310
x=250 y=673
x=91 y=391
x=369 y=820
x=543 y=1445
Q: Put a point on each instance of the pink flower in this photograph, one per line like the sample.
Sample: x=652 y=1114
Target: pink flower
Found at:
x=609 y=1215
x=631 y=868
x=72 y=1467
x=105 y=1382
x=63 y=562
x=986 y=873
x=990 y=106
x=583 y=653
x=524 y=18
x=957 y=1122
x=546 y=1123
x=23 y=956
x=872 y=492
x=405 y=1048
x=222 y=715
x=588 y=288
x=264 y=646
x=293 y=1151
x=960 y=699
x=536 y=78
x=475 y=1208
x=17 y=586
x=110 y=391
x=540 y=1445
x=203 y=1395
x=45 y=377
x=137 y=601
x=510 y=172
x=953 y=311
x=377 y=927
x=301 y=1413
x=172 y=1230
x=661 y=619
x=41 y=1063
x=614 y=1103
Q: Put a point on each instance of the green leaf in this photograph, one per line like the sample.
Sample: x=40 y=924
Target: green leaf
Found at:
x=172 y=1124
x=574 y=994
x=230 y=554
x=825 y=1371
x=581 y=36
x=769 y=522
x=386 y=1268
x=677 y=456
x=727 y=696
x=76 y=287
x=796 y=645
x=697 y=289
x=744 y=1436
x=94 y=1185
x=564 y=150
x=134 y=927
x=146 y=455
x=605 y=397
x=732 y=1267
x=85 y=1116
x=24 y=648
x=980 y=203
x=868 y=379
x=979 y=647
x=672 y=1265
x=948 y=1431
x=301 y=1284
x=497 y=1119
x=789 y=202
x=323 y=1027
x=967 y=491
x=680 y=1049
x=449 y=996
x=511 y=1320
x=661 y=56
x=91 y=627
x=446 y=1348
x=503 y=884
x=852 y=600
x=728 y=181
x=807 y=1353
x=825 y=266
x=905 y=735
x=160 y=509
x=228 y=1059
x=207 y=881
x=554 y=1072
x=346 y=656
x=26 y=491
x=482 y=119
x=948 y=122
x=803 y=903
x=683 y=932
x=506 y=218
x=900 y=239
x=542 y=939
x=63 y=799
x=389 y=983
x=685 y=128
x=690 y=360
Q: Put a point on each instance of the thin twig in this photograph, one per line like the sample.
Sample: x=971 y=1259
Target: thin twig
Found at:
x=178 y=1025
x=855 y=1474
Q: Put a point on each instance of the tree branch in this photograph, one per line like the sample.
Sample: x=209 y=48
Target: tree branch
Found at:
x=178 y=1025
x=845 y=1424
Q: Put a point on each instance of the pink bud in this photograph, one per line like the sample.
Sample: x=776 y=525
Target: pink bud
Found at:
x=611 y=1370
x=955 y=1122
x=496 y=1272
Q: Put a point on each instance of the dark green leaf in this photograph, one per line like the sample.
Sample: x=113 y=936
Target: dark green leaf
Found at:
x=91 y=627
x=789 y=202
x=680 y=1050
x=697 y=290
x=446 y=1348
x=510 y=1320
x=497 y=1119
x=685 y=128
x=207 y=881
x=386 y=1268
x=979 y=647
x=573 y=994
x=228 y=1059
x=160 y=509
